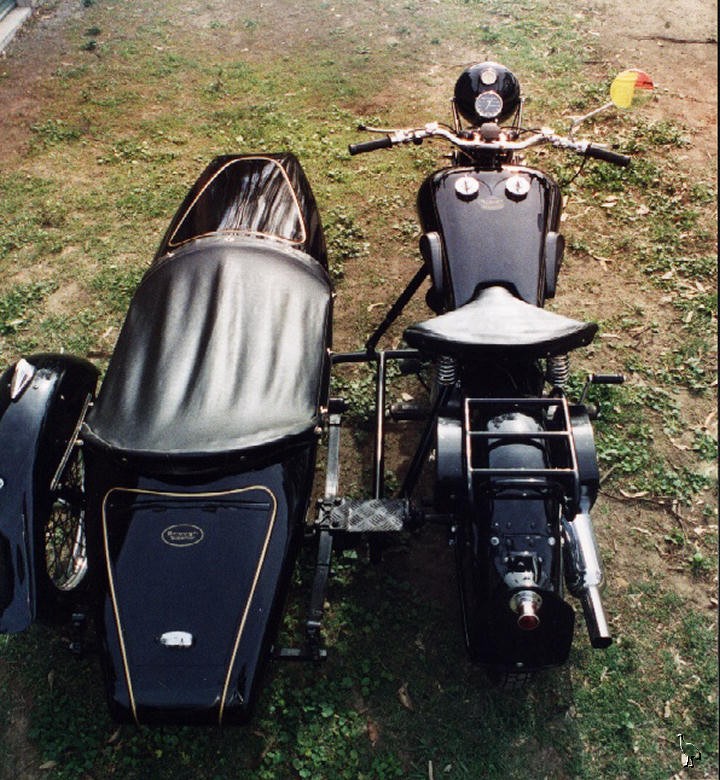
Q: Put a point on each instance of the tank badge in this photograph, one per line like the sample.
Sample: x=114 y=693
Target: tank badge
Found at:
x=491 y=204
x=182 y=535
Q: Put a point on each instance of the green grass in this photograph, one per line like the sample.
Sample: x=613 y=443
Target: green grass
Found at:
x=125 y=127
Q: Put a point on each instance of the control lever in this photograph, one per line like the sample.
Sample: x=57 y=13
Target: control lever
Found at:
x=598 y=379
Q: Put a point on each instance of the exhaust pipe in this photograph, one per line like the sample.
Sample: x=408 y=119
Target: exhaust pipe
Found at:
x=584 y=576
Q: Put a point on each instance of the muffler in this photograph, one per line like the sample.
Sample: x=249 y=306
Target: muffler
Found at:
x=584 y=576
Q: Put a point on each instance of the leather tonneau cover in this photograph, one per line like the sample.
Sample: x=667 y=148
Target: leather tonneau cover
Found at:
x=223 y=349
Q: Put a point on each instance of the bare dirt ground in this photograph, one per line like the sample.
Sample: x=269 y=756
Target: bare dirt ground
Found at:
x=676 y=42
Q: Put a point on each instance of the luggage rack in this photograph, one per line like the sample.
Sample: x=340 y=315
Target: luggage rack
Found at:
x=560 y=479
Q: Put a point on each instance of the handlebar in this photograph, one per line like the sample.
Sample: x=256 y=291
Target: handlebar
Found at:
x=475 y=143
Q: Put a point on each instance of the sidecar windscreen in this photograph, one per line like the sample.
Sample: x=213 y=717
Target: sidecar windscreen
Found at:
x=245 y=195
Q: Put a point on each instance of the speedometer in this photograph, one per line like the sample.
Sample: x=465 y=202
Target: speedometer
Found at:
x=488 y=105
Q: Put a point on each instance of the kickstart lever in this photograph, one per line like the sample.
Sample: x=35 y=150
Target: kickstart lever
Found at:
x=598 y=379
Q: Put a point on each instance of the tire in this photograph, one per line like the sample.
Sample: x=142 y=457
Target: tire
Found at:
x=65 y=540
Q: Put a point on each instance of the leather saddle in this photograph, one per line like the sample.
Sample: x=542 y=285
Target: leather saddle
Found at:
x=496 y=324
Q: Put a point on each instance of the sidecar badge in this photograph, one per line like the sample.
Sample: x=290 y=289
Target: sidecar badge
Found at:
x=182 y=535
x=24 y=373
x=467 y=188
x=177 y=639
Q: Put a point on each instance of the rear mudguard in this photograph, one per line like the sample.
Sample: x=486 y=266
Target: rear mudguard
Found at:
x=42 y=402
x=196 y=575
x=510 y=544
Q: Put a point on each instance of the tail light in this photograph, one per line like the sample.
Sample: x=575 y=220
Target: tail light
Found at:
x=526 y=604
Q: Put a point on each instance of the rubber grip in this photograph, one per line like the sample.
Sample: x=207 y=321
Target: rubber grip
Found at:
x=607 y=379
x=370 y=146
x=601 y=153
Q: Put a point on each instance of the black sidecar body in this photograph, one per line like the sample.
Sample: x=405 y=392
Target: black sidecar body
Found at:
x=195 y=460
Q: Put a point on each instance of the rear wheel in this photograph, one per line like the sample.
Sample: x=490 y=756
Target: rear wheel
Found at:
x=66 y=559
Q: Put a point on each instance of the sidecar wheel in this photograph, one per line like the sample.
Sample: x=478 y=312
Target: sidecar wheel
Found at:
x=66 y=557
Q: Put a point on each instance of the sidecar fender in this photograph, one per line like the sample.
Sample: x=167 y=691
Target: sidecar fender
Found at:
x=42 y=401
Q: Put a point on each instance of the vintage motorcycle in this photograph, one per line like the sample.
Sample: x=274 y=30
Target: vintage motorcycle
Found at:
x=170 y=507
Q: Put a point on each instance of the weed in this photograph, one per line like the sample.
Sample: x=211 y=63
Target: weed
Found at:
x=344 y=240
x=17 y=306
x=55 y=131
x=117 y=285
x=700 y=564
x=706 y=446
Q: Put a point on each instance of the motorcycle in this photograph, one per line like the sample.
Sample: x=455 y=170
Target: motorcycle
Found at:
x=170 y=506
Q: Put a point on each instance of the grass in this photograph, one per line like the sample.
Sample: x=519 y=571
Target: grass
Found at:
x=124 y=128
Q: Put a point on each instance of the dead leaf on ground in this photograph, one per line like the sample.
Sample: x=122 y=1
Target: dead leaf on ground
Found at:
x=373 y=732
x=47 y=766
x=114 y=737
x=639 y=494
x=404 y=697
x=602 y=260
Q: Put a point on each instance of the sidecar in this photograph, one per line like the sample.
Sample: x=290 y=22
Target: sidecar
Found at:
x=197 y=454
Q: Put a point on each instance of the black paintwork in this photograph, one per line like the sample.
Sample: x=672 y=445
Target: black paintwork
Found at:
x=491 y=238
x=35 y=430
x=201 y=588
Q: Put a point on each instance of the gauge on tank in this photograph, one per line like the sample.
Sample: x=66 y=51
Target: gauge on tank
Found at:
x=467 y=187
x=517 y=187
x=488 y=105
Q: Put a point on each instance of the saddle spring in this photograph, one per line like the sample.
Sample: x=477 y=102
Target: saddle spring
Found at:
x=558 y=370
x=447 y=370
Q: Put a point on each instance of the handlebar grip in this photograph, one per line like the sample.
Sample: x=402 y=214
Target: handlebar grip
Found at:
x=601 y=153
x=370 y=146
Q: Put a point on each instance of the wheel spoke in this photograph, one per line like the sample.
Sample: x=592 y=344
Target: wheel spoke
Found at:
x=65 y=545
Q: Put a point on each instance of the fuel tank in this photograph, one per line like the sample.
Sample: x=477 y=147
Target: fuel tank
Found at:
x=487 y=227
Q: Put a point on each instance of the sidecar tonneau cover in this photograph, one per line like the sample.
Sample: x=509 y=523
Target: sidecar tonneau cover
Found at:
x=223 y=349
x=497 y=324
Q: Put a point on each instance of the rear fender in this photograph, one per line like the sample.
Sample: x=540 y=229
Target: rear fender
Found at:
x=43 y=399
x=510 y=544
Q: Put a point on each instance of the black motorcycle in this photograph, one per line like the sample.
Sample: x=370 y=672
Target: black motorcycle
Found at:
x=170 y=507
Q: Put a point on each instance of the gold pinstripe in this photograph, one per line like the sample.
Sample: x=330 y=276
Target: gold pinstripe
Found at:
x=300 y=240
x=243 y=620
